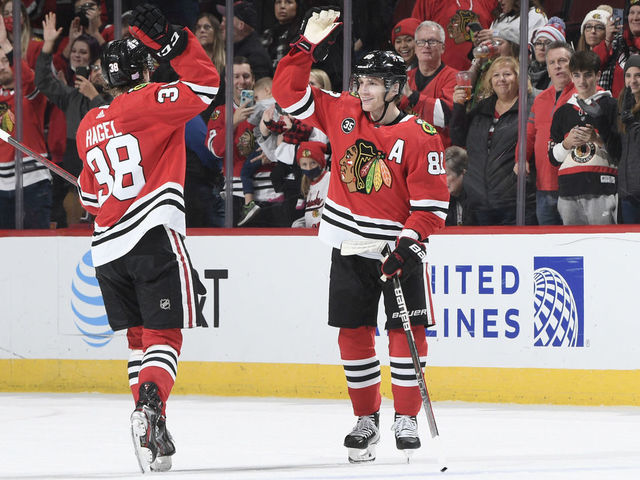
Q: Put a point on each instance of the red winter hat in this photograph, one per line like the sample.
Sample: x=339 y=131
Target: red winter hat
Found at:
x=314 y=150
x=405 y=27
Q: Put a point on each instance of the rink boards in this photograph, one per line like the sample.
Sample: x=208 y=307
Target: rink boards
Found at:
x=523 y=315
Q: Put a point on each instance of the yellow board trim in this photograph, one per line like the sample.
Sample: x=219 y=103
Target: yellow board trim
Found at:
x=496 y=385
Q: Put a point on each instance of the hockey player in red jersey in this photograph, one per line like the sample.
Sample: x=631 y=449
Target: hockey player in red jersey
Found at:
x=132 y=181
x=388 y=183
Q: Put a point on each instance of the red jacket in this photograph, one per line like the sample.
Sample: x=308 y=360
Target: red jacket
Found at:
x=618 y=72
x=538 y=133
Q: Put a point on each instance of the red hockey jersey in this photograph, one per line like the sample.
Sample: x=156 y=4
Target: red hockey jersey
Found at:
x=133 y=152
x=33 y=107
x=385 y=178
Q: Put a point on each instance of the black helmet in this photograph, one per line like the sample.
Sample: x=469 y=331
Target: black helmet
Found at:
x=383 y=64
x=124 y=61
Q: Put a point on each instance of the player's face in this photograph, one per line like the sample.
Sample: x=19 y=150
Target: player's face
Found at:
x=585 y=83
x=632 y=79
x=285 y=10
x=242 y=79
x=204 y=31
x=371 y=91
x=558 y=67
x=79 y=54
x=405 y=47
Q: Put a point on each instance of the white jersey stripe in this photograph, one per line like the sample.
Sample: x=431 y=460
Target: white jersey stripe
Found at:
x=186 y=287
x=360 y=361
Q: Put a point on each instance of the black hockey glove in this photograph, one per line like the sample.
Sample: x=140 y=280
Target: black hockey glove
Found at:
x=407 y=256
x=150 y=26
x=318 y=32
x=628 y=102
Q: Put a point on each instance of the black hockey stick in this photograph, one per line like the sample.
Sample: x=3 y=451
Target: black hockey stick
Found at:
x=353 y=247
x=43 y=160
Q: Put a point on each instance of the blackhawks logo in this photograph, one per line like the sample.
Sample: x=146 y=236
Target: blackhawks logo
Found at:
x=363 y=168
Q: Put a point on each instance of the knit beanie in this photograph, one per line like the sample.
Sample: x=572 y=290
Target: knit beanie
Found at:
x=509 y=31
x=314 y=150
x=632 y=61
x=600 y=14
x=404 y=27
x=553 y=31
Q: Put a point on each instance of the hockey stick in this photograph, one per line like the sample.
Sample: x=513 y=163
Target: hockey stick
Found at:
x=354 y=247
x=43 y=160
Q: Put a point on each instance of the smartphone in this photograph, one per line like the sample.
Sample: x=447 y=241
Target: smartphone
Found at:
x=618 y=14
x=474 y=27
x=83 y=71
x=246 y=98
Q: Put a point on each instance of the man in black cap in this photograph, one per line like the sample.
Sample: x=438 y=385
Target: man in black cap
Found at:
x=246 y=41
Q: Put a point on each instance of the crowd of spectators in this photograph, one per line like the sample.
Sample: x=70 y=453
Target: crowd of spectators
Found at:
x=582 y=164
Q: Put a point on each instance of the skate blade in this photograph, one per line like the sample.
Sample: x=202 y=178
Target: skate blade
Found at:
x=408 y=453
x=161 y=464
x=139 y=427
x=357 y=455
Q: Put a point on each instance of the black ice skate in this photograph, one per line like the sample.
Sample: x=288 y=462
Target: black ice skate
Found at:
x=361 y=442
x=166 y=447
x=144 y=420
x=405 y=428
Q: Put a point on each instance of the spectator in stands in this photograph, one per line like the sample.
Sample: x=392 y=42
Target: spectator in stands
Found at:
x=319 y=79
x=558 y=55
x=507 y=14
x=36 y=179
x=74 y=101
x=629 y=168
x=586 y=145
x=29 y=45
x=209 y=33
x=593 y=28
x=246 y=41
x=456 y=49
x=553 y=31
x=456 y=161
x=402 y=39
x=311 y=157
x=619 y=43
x=88 y=22
x=429 y=91
x=490 y=134
x=276 y=39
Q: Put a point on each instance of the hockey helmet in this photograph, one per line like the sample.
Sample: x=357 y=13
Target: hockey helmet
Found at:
x=124 y=61
x=383 y=64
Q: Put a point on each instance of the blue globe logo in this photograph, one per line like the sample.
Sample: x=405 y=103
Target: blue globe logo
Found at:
x=88 y=306
x=555 y=311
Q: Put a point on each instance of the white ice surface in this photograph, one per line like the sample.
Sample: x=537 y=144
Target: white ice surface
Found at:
x=86 y=436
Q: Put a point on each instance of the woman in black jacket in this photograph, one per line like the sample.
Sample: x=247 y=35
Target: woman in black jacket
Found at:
x=489 y=132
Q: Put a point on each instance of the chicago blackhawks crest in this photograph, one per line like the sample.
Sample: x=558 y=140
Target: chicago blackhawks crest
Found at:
x=363 y=168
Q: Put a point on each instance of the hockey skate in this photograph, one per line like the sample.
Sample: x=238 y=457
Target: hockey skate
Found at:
x=144 y=420
x=405 y=428
x=361 y=442
x=166 y=447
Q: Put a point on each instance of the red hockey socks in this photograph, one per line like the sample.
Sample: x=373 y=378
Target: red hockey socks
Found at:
x=361 y=367
x=404 y=386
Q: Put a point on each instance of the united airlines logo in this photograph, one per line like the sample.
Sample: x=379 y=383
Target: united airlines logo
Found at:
x=88 y=306
x=558 y=301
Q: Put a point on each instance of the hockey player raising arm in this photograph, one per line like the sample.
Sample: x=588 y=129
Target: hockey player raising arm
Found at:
x=133 y=153
x=388 y=183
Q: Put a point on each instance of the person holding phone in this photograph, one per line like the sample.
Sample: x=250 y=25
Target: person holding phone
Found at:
x=74 y=101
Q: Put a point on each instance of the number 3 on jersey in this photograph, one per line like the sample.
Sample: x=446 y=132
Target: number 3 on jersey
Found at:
x=120 y=170
x=436 y=163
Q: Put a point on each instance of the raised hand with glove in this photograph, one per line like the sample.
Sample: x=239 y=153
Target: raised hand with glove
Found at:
x=150 y=26
x=405 y=259
x=628 y=102
x=318 y=32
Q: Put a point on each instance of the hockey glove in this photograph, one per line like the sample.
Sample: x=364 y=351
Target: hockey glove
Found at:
x=628 y=102
x=318 y=32
x=150 y=26
x=407 y=256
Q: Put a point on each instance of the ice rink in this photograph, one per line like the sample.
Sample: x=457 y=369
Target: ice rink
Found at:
x=86 y=436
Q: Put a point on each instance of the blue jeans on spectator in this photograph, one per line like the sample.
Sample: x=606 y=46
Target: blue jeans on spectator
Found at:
x=547 y=208
x=249 y=169
x=37 y=206
x=630 y=210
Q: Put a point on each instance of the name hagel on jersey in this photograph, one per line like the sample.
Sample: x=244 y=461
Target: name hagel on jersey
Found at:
x=384 y=177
